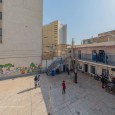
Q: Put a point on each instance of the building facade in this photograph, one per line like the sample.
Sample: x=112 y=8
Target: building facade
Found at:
x=102 y=37
x=54 y=37
x=98 y=58
x=20 y=32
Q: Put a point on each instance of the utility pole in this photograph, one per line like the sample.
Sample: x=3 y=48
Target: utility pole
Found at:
x=72 y=47
x=74 y=62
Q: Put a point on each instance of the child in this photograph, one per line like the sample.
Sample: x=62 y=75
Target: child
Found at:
x=63 y=87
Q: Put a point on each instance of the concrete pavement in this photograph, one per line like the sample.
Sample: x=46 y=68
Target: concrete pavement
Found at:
x=19 y=97
x=85 y=98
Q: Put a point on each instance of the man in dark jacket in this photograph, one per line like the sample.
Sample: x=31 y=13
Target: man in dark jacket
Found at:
x=103 y=82
x=35 y=81
x=67 y=69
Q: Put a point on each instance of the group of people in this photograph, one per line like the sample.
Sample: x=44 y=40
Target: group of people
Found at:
x=37 y=83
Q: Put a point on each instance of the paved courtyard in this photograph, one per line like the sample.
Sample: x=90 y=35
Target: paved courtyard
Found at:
x=18 y=96
x=85 y=98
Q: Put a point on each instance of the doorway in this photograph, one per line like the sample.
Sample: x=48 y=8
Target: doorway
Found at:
x=86 y=67
x=92 y=69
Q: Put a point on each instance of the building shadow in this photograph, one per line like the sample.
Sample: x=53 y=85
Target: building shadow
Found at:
x=26 y=90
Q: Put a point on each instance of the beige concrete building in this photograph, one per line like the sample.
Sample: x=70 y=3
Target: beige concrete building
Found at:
x=107 y=33
x=96 y=58
x=20 y=32
x=54 y=38
x=102 y=37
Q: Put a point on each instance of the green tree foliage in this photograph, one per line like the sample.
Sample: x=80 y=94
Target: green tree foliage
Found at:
x=9 y=65
x=32 y=65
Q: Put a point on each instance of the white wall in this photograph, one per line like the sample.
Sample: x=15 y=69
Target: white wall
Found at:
x=22 y=32
x=48 y=63
x=82 y=65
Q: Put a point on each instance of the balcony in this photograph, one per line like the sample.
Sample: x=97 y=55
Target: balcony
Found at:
x=105 y=59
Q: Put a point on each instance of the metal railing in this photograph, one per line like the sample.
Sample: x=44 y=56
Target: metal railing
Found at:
x=105 y=59
x=54 y=64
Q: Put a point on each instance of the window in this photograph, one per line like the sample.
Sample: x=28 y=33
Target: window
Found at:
x=93 y=69
x=79 y=54
x=0 y=15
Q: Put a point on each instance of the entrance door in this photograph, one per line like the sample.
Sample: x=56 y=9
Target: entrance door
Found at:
x=86 y=68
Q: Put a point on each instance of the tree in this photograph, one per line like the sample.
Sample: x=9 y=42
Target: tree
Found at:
x=32 y=65
x=1 y=66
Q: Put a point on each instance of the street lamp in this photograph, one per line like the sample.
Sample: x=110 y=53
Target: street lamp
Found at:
x=74 y=62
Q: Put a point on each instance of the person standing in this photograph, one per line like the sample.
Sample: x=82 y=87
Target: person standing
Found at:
x=35 y=81
x=38 y=78
x=63 y=87
x=103 y=82
x=67 y=69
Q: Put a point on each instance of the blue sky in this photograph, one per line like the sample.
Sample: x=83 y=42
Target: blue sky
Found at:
x=84 y=18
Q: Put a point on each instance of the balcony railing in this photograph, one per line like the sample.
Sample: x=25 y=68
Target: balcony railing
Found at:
x=103 y=59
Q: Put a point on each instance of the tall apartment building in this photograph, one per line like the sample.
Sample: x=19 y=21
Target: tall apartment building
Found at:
x=20 y=32
x=54 y=35
x=102 y=37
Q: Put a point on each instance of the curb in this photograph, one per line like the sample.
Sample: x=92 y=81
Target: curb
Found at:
x=17 y=76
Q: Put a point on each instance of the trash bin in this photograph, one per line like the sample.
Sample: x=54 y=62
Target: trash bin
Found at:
x=53 y=72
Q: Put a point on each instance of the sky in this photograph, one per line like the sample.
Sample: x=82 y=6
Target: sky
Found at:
x=84 y=18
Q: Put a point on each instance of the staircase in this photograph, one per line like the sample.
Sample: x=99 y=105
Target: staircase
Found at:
x=54 y=65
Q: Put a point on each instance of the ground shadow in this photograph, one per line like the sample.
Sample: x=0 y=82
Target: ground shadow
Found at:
x=26 y=90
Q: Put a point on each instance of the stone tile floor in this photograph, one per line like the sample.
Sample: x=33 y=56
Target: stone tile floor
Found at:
x=18 y=96
x=85 y=98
